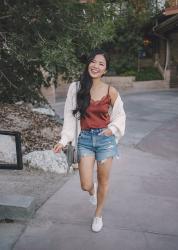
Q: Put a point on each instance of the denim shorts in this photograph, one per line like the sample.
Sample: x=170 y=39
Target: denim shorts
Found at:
x=92 y=143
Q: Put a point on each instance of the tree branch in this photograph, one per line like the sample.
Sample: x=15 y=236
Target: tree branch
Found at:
x=3 y=17
x=11 y=84
x=40 y=36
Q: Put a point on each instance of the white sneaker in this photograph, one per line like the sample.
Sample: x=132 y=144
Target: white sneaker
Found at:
x=97 y=224
x=93 y=198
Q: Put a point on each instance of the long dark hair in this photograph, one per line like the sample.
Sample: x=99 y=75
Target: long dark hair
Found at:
x=83 y=94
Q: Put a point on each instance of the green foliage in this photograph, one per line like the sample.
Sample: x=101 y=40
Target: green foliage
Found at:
x=127 y=42
x=56 y=34
x=86 y=29
x=15 y=84
x=20 y=78
x=130 y=72
x=52 y=34
x=129 y=33
x=147 y=74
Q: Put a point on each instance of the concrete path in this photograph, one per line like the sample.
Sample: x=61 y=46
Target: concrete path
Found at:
x=141 y=212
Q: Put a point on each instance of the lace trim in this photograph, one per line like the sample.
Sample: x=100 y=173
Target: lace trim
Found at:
x=100 y=100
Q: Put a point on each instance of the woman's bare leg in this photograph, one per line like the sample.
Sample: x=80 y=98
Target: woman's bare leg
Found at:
x=86 y=166
x=103 y=171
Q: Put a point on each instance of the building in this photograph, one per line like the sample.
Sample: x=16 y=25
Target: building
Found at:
x=165 y=39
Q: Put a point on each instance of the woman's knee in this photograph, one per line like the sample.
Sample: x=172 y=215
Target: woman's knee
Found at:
x=86 y=187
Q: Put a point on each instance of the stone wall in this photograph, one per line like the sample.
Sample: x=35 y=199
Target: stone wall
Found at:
x=121 y=82
x=128 y=82
x=146 y=85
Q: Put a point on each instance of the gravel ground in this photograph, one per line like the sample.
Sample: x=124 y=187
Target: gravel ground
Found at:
x=38 y=184
x=38 y=132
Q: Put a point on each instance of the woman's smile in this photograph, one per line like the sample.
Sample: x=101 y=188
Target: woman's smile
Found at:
x=97 y=66
x=95 y=71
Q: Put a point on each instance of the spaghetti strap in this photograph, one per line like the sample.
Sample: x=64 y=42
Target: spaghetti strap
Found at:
x=108 y=89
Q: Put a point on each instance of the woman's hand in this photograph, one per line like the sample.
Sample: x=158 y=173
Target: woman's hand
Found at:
x=106 y=132
x=58 y=148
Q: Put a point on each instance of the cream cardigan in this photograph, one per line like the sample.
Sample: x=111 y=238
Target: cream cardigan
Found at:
x=117 y=118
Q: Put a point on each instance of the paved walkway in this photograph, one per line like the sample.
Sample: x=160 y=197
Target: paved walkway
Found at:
x=141 y=212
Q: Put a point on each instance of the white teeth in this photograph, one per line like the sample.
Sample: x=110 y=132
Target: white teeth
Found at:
x=94 y=71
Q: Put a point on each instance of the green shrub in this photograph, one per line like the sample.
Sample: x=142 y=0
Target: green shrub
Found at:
x=130 y=72
x=148 y=74
x=145 y=74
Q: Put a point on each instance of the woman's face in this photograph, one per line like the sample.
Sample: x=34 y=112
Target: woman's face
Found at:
x=97 y=67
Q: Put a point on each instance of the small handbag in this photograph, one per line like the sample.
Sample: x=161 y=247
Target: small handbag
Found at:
x=71 y=154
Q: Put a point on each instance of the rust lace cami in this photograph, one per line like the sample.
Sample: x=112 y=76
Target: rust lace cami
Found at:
x=97 y=115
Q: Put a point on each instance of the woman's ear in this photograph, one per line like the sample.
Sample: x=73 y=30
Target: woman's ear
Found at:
x=104 y=73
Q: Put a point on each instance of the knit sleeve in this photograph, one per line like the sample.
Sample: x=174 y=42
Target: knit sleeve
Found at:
x=68 y=130
x=118 y=119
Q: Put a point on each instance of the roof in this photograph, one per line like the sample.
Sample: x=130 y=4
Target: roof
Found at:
x=168 y=25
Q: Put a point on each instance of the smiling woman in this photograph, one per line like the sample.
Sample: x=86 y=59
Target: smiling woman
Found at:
x=101 y=122
x=97 y=67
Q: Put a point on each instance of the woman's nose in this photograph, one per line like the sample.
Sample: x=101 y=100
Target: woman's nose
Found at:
x=96 y=65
